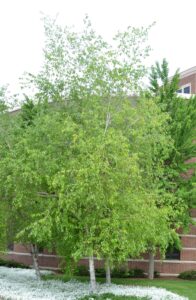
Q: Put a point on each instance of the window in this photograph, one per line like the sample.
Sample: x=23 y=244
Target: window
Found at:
x=40 y=249
x=172 y=253
x=10 y=246
x=185 y=89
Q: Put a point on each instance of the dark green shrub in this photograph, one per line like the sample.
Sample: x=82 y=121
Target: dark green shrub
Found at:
x=12 y=264
x=156 y=274
x=131 y=273
x=121 y=272
x=81 y=270
x=100 y=272
x=189 y=275
x=117 y=272
x=138 y=273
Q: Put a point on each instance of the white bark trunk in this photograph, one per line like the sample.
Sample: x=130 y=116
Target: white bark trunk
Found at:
x=92 y=274
x=108 y=272
x=34 y=252
x=151 y=266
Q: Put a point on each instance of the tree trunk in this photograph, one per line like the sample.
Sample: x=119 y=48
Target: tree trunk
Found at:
x=151 y=266
x=92 y=274
x=108 y=271
x=34 y=252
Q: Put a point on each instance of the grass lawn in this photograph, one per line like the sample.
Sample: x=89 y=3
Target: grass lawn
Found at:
x=185 y=288
x=182 y=287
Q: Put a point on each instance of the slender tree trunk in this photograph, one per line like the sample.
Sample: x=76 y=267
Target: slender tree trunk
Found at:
x=108 y=271
x=92 y=274
x=151 y=265
x=34 y=252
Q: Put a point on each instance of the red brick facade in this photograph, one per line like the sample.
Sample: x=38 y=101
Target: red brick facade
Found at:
x=189 y=77
x=186 y=262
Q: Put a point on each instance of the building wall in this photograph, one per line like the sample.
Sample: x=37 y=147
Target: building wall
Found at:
x=189 y=77
x=172 y=268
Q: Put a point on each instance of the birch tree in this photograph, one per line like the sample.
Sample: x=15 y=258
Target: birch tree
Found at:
x=82 y=64
x=7 y=131
x=83 y=167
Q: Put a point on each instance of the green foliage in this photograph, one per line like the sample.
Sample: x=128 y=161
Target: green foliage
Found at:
x=138 y=273
x=82 y=64
x=8 y=134
x=28 y=112
x=82 y=166
x=156 y=274
x=124 y=272
x=100 y=273
x=121 y=271
x=181 y=127
x=163 y=87
x=92 y=185
x=3 y=228
x=81 y=270
x=3 y=106
x=116 y=272
x=188 y=275
x=102 y=179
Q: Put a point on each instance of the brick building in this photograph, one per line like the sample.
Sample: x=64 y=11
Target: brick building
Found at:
x=188 y=81
x=174 y=263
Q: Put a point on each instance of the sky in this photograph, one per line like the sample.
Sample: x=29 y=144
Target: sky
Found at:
x=22 y=35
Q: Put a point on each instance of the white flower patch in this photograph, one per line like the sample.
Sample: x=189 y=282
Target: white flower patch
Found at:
x=21 y=284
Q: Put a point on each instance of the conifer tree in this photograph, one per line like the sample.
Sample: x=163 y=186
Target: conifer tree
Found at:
x=181 y=128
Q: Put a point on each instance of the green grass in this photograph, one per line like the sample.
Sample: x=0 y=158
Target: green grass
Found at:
x=112 y=297
x=185 y=288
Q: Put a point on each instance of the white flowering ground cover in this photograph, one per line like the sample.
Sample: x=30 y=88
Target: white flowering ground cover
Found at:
x=21 y=284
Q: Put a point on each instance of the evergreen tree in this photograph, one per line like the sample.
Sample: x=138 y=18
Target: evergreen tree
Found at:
x=182 y=124
x=181 y=128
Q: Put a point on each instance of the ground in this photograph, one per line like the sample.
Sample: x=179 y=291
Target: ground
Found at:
x=186 y=288
x=21 y=284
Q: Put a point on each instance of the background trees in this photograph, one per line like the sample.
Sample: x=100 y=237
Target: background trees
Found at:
x=182 y=123
x=8 y=134
x=181 y=128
